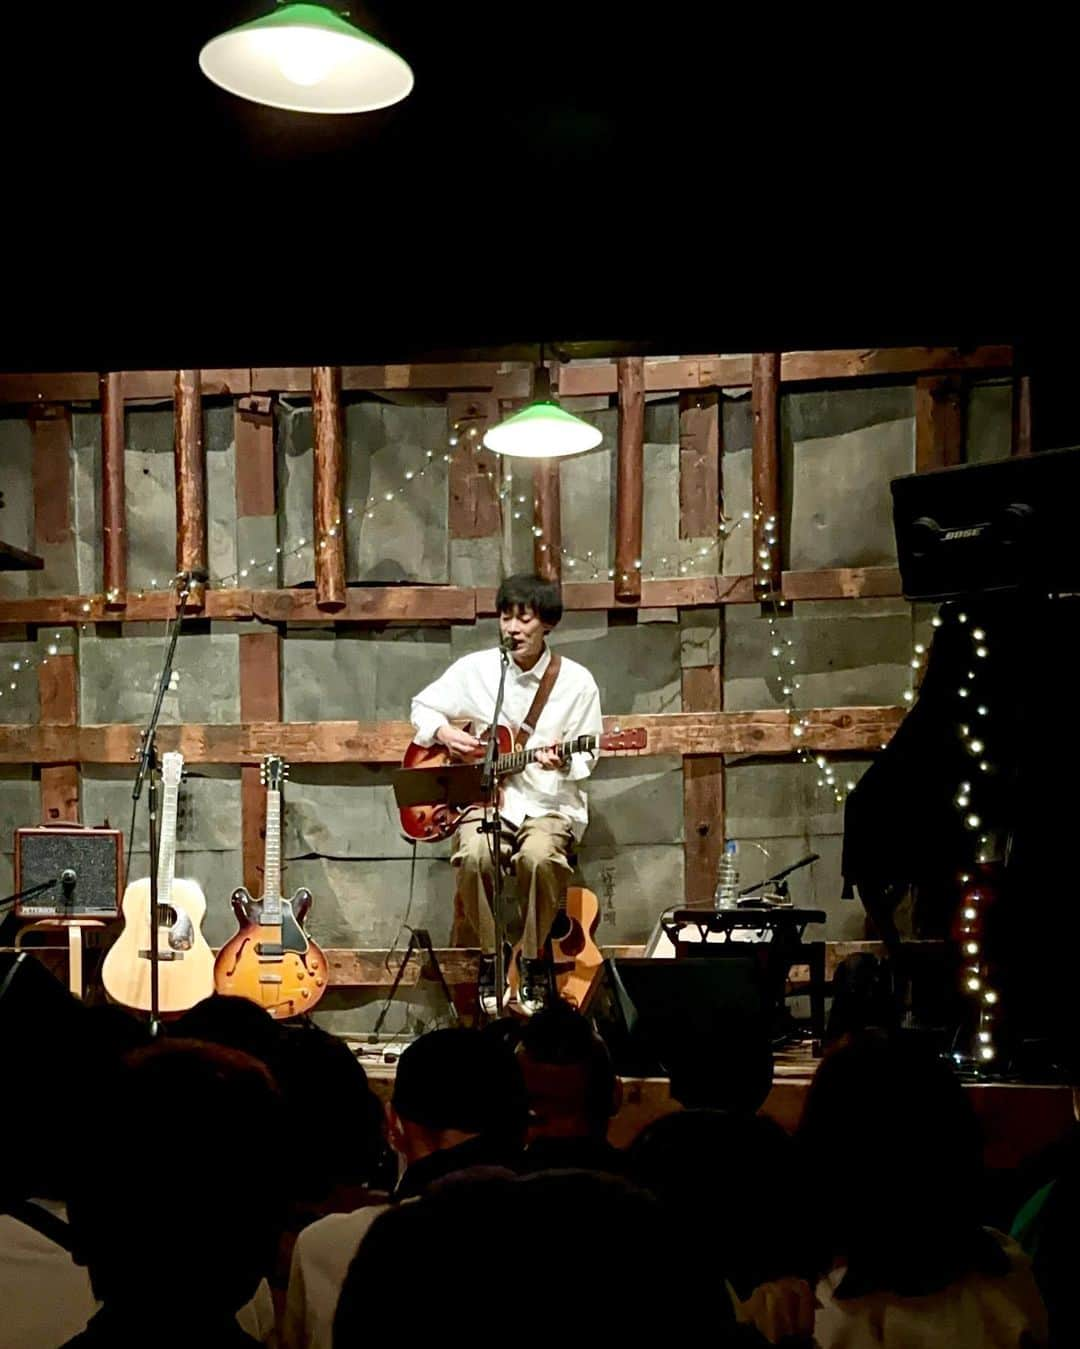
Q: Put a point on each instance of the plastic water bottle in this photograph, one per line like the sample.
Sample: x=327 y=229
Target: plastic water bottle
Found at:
x=727 y=877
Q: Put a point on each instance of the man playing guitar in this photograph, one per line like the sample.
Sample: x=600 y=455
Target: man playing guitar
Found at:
x=543 y=807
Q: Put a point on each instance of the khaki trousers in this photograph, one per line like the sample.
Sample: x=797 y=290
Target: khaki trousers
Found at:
x=538 y=854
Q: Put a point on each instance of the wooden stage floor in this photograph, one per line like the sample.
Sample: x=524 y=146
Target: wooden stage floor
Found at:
x=1018 y=1119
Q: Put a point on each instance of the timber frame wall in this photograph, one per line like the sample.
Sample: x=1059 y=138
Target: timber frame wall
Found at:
x=477 y=392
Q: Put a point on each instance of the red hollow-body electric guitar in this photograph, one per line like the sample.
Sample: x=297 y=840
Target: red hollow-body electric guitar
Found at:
x=430 y=823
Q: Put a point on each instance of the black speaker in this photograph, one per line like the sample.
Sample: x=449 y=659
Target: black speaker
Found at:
x=703 y=1022
x=1004 y=525
x=84 y=866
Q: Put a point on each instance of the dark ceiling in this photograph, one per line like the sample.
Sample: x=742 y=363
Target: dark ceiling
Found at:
x=677 y=175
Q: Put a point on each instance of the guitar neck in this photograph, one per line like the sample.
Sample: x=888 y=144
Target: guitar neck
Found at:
x=167 y=847
x=271 y=895
x=521 y=758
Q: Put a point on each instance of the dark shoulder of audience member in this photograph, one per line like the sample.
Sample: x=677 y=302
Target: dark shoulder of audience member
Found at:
x=458 y=1102
x=195 y=1196
x=736 y=1176
x=572 y=1092
x=892 y=1144
x=550 y=1251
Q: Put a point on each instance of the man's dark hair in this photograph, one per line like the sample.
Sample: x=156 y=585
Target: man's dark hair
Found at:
x=562 y=1036
x=527 y=591
x=461 y=1079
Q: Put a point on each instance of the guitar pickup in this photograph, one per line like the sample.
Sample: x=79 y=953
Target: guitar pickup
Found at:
x=269 y=948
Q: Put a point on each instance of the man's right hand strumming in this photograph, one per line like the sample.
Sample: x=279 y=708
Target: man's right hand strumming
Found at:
x=458 y=741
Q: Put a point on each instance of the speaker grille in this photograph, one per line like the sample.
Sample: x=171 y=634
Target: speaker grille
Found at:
x=93 y=855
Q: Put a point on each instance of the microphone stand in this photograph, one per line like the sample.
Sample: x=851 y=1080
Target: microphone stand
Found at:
x=147 y=773
x=492 y=826
x=779 y=876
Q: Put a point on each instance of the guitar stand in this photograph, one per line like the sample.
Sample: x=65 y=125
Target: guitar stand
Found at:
x=419 y=938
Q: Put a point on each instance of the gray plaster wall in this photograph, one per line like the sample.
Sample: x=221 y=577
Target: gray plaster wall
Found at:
x=341 y=838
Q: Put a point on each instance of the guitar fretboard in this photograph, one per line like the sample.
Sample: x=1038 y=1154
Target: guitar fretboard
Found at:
x=521 y=758
x=167 y=848
x=271 y=895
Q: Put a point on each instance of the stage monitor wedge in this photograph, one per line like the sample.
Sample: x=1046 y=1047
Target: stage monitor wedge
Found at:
x=1005 y=525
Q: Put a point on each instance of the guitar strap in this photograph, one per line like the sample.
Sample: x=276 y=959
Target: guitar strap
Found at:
x=51 y=1227
x=539 y=702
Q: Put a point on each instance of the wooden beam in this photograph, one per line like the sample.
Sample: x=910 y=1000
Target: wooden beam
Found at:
x=700 y=495
x=939 y=422
x=260 y=700
x=856 y=729
x=510 y=381
x=630 y=480
x=765 y=452
x=329 y=487
x=113 y=501
x=474 y=496
x=191 y=547
x=370 y=604
x=58 y=705
x=422 y=605
x=703 y=788
x=1021 y=415
x=547 y=518
x=50 y=427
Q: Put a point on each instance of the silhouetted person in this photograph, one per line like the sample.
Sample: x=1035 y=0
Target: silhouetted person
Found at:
x=892 y=1145
x=735 y=1177
x=572 y=1092
x=180 y=1226
x=458 y=1103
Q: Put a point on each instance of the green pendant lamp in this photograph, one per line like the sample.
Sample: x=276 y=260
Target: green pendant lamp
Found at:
x=306 y=58
x=542 y=430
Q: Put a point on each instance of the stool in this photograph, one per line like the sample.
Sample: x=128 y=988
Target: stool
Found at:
x=75 y=928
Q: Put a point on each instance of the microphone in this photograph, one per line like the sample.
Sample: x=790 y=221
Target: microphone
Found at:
x=196 y=574
x=506 y=643
x=68 y=877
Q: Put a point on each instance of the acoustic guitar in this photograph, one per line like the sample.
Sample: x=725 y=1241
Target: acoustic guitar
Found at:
x=185 y=961
x=431 y=823
x=575 y=956
x=271 y=960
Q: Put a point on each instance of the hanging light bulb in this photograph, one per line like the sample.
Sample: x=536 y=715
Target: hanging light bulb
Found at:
x=306 y=58
x=542 y=430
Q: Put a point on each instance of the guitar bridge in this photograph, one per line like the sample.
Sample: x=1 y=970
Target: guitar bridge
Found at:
x=163 y=955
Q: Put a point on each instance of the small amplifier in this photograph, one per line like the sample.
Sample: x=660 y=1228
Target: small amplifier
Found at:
x=81 y=870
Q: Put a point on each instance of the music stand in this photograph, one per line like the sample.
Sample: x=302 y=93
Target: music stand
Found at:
x=457 y=785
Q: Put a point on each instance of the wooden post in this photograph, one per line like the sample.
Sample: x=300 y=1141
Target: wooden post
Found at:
x=630 y=475
x=260 y=700
x=700 y=496
x=113 y=505
x=191 y=549
x=58 y=705
x=50 y=425
x=473 y=477
x=547 y=517
x=329 y=486
x=1021 y=415
x=939 y=422
x=765 y=454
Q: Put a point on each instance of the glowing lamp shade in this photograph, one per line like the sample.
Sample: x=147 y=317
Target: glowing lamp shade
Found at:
x=306 y=58
x=542 y=430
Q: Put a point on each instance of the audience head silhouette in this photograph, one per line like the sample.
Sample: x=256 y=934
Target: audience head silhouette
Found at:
x=569 y=1078
x=452 y=1086
x=178 y=1209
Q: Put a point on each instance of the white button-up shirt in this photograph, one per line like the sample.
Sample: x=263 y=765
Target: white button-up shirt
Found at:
x=467 y=691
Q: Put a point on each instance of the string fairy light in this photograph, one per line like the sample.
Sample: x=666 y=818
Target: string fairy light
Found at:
x=973 y=710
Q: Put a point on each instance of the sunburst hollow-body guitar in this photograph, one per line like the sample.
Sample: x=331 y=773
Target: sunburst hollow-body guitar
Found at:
x=271 y=960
